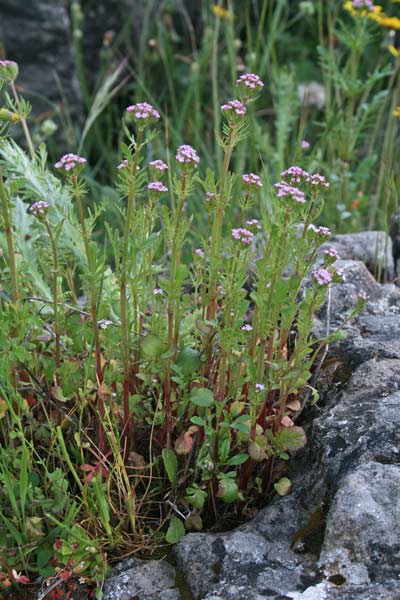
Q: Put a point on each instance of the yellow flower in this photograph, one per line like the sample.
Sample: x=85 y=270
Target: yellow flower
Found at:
x=393 y=50
x=385 y=21
x=220 y=12
x=363 y=12
x=396 y=112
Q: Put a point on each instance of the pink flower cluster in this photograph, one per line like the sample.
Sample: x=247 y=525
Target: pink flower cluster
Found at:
x=159 y=165
x=8 y=63
x=39 y=208
x=246 y=327
x=234 y=106
x=199 y=252
x=305 y=145
x=368 y=4
x=8 y=69
x=142 y=111
x=317 y=179
x=322 y=276
x=157 y=186
x=250 y=81
x=243 y=235
x=125 y=164
x=259 y=387
x=284 y=190
x=68 y=162
x=209 y=196
x=332 y=252
x=295 y=175
x=186 y=154
x=322 y=231
x=253 y=223
x=252 y=180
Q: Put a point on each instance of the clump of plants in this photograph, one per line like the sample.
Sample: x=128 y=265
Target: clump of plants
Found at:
x=149 y=387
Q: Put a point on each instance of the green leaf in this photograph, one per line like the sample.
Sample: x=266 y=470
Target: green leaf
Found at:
x=152 y=347
x=201 y=397
x=176 y=530
x=239 y=459
x=43 y=557
x=170 y=464
x=291 y=438
x=283 y=486
x=228 y=490
x=188 y=360
x=197 y=421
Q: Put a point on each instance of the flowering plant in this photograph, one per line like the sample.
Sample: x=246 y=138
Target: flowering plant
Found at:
x=180 y=383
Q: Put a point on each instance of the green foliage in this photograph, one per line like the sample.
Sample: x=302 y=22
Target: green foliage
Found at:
x=154 y=357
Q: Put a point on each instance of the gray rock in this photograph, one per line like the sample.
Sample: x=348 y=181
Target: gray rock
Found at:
x=37 y=34
x=326 y=591
x=362 y=426
x=362 y=537
x=142 y=580
x=372 y=336
x=373 y=248
x=344 y=296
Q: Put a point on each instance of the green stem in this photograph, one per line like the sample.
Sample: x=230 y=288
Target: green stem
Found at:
x=55 y=294
x=10 y=242
x=23 y=122
x=125 y=326
x=173 y=321
x=93 y=310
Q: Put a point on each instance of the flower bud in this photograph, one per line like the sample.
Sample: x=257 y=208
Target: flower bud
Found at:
x=8 y=70
x=8 y=115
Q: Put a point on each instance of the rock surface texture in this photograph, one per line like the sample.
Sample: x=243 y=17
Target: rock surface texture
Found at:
x=337 y=535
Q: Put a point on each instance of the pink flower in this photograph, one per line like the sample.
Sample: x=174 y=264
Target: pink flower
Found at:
x=305 y=145
x=125 y=164
x=317 y=180
x=187 y=155
x=322 y=276
x=209 y=196
x=243 y=235
x=234 y=106
x=142 y=111
x=157 y=186
x=368 y=4
x=332 y=252
x=253 y=223
x=252 y=180
x=199 y=252
x=259 y=387
x=294 y=175
x=246 y=327
x=39 y=208
x=284 y=190
x=157 y=291
x=159 y=165
x=105 y=323
x=320 y=231
x=70 y=162
x=8 y=70
x=250 y=81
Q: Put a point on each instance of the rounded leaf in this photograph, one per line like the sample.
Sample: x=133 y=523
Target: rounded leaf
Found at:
x=283 y=486
x=228 y=490
x=201 y=397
